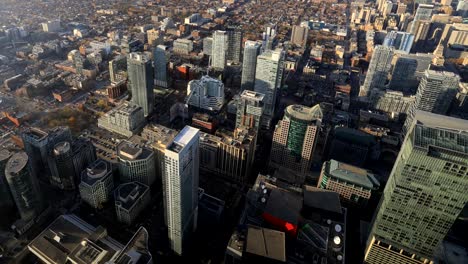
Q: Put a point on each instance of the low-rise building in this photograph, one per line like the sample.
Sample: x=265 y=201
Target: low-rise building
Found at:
x=126 y=120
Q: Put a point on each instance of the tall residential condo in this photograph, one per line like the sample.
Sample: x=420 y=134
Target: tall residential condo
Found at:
x=249 y=64
x=379 y=68
x=425 y=193
x=299 y=36
x=141 y=81
x=249 y=110
x=219 y=50
x=160 y=55
x=180 y=188
x=268 y=80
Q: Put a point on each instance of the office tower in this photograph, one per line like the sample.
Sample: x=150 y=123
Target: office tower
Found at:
x=180 y=188
x=424 y=12
x=420 y=30
x=208 y=46
x=228 y=155
x=403 y=74
x=38 y=143
x=354 y=185
x=5 y=195
x=269 y=37
x=206 y=93
x=125 y=119
x=24 y=186
x=182 y=46
x=249 y=64
x=130 y=199
x=399 y=40
x=159 y=138
x=268 y=81
x=96 y=183
x=155 y=37
x=160 y=66
x=136 y=163
x=436 y=91
x=425 y=193
x=51 y=26
x=118 y=69
x=67 y=161
x=233 y=53
x=394 y=103
x=249 y=110
x=295 y=138
x=141 y=81
x=379 y=68
x=299 y=36
x=69 y=239
x=219 y=49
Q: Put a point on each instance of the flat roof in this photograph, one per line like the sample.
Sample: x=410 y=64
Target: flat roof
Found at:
x=95 y=171
x=322 y=199
x=251 y=95
x=16 y=163
x=266 y=242
x=5 y=154
x=441 y=121
x=352 y=174
x=183 y=138
x=128 y=193
x=280 y=199
x=131 y=151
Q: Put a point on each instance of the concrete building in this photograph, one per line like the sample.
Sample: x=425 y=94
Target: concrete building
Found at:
x=295 y=138
x=208 y=46
x=379 y=68
x=125 y=119
x=6 y=200
x=160 y=55
x=97 y=183
x=249 y=110
x=394 y=103
x=38 y=143
x=268 y=81
x=130 y=199
x=155 y=37
x=159 y=138
x=234 y=49
x=399 y=40
x=51 y=26
x=206 y=93
x=425 y=193
x=355 y=185
x=219 y=49
x=436 y=92
x=180 y=188
x=299 y=36
x=24 y=186
x=118 y=69
x=89 y=244
x=67 y=160
x=249 y=64
x=141 y=81
x=228 y=155
x=182 y=46
x=136 y=163
x=403 y=74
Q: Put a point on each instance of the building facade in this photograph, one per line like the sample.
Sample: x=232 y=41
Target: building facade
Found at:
x=136 y=163
x=299 y=36
x=249 y=110
x=160 y=55
x=206 y=93
x=425 y=193
x=379 y=68
x=130 y=199
x=125 y=119
x=219 y=49
x=180 y=188
x=295 y=138
x=141 y=81
x=249 y=64
x=97 y=183
x=268 y=81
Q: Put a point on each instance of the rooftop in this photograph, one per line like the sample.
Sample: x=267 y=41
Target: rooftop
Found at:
x=130 y=151
x=95 y=171
x=351 y=174
x=16 y=163
x=126 y=194
x=5 y=154
x=304 y=113
x=36 y=133
x=183 y=138
x=62 y=148
x=251 y=95
x=266 y=242
x=322 y=199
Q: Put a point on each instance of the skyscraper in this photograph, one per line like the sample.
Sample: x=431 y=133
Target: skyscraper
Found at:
x=160 y=66
x=299 y=36
x=268 y=78
x=403 y=73
x=130 y=199
x=425 y=193
x=219 y=49
x=249 y=64
x=180 y=188
x=136 y=163
x=96 y=183
x=206 y=93
x=5 y=195
x=295 y=138
x=269 y=37
x=141 y=81
x=118 y=69
x=379 y=68
x=436 y=92
x=208 y=46
x=249 y=110
x=24 y=186
x=399 y=40
x=234 y=49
